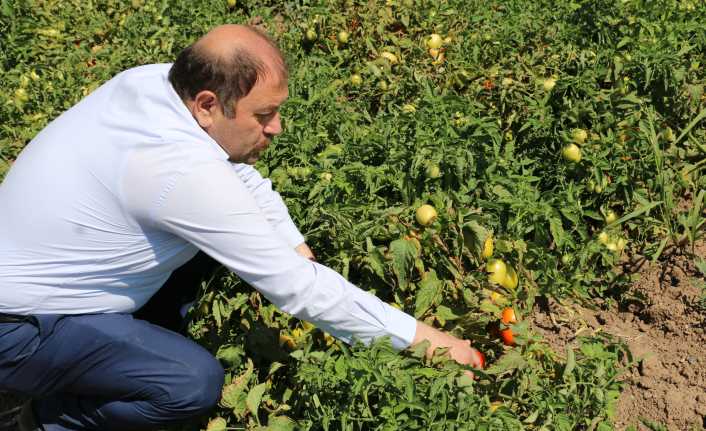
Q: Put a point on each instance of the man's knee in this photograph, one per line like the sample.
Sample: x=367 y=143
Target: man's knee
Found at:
x=198 y=389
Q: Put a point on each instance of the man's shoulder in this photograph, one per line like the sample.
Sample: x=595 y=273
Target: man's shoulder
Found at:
x=148 y=69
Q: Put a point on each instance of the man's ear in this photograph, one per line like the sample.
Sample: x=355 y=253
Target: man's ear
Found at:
x=203 y=107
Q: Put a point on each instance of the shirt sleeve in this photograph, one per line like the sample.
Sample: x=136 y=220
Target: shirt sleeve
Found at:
x=211 y=207
x=270 y=202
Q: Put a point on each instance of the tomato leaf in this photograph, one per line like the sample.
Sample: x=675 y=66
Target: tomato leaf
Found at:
x=403 y=252
x=429 y=290
x=254 y=398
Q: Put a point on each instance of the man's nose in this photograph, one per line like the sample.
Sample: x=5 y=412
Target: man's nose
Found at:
x=274 y=126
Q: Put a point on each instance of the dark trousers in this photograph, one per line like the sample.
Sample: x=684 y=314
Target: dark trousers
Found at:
x=114 y=371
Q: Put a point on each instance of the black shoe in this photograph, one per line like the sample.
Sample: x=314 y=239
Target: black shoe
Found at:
x=26 y=421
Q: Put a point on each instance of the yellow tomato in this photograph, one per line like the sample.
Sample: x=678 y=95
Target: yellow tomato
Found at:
x=434 y=41
x=488 y=247
x=579 y=136
x=510 y=281
x=392 y=58
x=604 y=238
x=426 y=214
x=548 y=84
x=572 y=153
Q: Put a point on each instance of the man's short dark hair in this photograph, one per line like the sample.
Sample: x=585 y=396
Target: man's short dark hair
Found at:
x=230 y=78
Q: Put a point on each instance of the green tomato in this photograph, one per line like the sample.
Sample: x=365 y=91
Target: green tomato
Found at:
x=343 y=37
x=498 y=271
x=433 y=171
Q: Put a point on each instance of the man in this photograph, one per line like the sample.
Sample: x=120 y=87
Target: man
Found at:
x=124 y=188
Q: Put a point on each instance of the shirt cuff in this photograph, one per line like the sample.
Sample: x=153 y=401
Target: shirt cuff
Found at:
x=401 y=327
x=287 y=230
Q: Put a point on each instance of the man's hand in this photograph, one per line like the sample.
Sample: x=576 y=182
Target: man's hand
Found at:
x=459 y=350
x=305 y=251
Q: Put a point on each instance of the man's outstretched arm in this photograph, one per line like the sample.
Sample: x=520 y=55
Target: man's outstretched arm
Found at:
x=211 y=207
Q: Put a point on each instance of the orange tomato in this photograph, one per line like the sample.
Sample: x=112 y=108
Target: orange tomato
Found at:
x=508 y=316
x=507 y=336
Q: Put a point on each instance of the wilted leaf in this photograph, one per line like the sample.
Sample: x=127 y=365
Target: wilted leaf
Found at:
x=511 y=360
x=254 y=397
x=403 y=253
x=427 y=294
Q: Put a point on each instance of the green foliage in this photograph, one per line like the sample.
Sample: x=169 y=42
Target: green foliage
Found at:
x=476 y=131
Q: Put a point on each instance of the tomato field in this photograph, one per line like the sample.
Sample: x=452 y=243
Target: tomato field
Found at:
x=466 y=161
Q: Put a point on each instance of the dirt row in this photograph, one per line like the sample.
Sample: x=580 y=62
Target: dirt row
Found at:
x=663 y=325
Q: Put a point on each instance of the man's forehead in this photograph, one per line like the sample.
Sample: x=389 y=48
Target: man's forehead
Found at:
x=268 y=94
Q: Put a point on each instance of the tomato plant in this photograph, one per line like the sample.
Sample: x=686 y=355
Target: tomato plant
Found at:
x=465 y=106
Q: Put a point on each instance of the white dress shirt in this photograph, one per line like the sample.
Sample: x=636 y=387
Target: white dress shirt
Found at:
x=124 y=187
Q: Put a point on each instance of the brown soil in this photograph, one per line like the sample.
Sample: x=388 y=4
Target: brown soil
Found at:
x=664 y=326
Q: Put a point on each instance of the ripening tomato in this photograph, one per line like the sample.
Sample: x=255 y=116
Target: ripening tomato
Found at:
x=426 y=214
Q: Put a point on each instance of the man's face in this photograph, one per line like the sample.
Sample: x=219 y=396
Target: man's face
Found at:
x=256 y=121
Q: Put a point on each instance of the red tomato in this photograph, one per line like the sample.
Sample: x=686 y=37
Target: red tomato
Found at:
x=478 y=358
